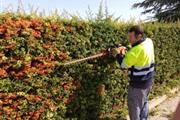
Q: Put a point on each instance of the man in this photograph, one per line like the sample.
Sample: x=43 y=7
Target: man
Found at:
x=139 y=60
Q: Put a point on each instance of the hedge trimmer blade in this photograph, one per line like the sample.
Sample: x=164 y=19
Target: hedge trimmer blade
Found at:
x=85 y=59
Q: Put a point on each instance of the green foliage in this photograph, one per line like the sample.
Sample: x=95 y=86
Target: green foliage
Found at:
x=91 y=90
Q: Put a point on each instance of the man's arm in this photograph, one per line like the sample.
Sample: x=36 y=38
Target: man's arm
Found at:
x=129 y=59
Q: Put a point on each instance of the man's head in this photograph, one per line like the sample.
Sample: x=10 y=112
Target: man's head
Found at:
x=135 y=34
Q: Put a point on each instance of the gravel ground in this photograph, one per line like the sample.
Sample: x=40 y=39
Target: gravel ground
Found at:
x=166 y=109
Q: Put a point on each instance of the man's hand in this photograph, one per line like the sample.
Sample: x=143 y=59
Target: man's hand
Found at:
x=120 y=50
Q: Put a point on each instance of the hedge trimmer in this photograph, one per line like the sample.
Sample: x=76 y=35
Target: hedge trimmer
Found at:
x=99 y=55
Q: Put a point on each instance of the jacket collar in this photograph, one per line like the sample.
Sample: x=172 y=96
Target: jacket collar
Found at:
x=138 y=42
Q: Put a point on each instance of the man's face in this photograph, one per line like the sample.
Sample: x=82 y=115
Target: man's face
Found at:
x=131 y=37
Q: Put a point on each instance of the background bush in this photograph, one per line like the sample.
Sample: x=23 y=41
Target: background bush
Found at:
x=32 y=87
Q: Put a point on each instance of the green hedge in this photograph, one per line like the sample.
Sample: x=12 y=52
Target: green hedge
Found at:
x=31 y=87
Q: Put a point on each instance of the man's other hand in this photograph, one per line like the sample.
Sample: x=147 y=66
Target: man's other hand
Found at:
x=120 y=50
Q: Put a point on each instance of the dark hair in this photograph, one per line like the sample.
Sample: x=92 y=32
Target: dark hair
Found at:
x=137 y=30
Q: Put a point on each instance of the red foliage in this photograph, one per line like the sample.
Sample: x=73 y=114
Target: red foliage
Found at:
x=3 y=73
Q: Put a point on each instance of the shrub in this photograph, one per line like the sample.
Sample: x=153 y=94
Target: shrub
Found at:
x=32 y=87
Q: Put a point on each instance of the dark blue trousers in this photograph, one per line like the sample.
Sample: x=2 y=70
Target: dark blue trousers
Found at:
x=138 y=103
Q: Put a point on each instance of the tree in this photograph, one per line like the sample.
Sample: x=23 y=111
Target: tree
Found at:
x=166 y=10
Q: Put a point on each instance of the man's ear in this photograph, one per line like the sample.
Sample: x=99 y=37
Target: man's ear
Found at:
x=138 y=37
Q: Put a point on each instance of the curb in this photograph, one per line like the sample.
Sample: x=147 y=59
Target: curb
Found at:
x=158 y=100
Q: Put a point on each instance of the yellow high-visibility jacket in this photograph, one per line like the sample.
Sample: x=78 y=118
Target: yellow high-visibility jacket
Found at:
x=140 y=62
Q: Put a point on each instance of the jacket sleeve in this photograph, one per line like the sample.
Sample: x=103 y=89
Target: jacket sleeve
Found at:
x=119 y=58
x=130 y=58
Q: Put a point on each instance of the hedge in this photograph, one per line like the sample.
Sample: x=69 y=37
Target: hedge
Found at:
x=32 y=87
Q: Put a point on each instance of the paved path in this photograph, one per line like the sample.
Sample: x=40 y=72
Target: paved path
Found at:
x=165 y=110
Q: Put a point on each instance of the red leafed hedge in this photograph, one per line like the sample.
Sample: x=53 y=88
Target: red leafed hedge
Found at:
x=32 y=87
x=19 y=57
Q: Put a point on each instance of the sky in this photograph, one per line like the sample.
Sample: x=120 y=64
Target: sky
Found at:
x=119 y=8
